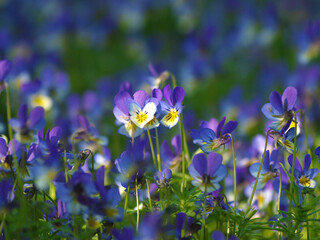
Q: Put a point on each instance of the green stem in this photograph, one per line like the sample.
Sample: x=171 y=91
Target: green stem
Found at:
x=203 y=229
x=280 y=189
x=234 y=180
x=65 y=165
x=2 y=224
x=183 y=154
x=158 y=150
x=292 y=169
x=137 y=200
x=149 y=196
x=256 y=182
x=9 y=112
x=127 y=197
x=151 y=147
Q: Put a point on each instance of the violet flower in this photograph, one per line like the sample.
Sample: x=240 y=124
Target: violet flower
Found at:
x=25 y=125
x=280 y=110
x=207 y=171
x=5 y=68
x=173 y=107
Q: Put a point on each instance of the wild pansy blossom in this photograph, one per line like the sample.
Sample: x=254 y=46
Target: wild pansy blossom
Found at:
x=269 y=168
x=135 y=113
x=173 y=107
x=210 y=140
x=7 y=152
x=162 y=179
x=25 y=125
x=317 y=152
x=304 y=176
x=280 y=110
x=172 y=159
x=207 y=171
x=5 y=68
x=45 y=157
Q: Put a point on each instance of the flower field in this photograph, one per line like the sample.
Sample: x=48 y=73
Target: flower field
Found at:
x=159 y=120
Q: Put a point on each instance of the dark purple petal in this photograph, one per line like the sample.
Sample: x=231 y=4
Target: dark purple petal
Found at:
x=307 y=162
x=36 y=118
x=266 y=162
x=220 y=126
x=180 y=221
x=167 y=173
x=167 y=94
x=55 y=134
x=140 y=97
x=126 y=86
x=120 y=101
x=176 y=143
x=153 y=70
x=290 y=94
x=229 y=127
x=84 y=122
x=214 y=162
x=317 y=151
x=275 y=100
x=297 y=164
x=274 y=158
x=200 y=163
x=5 y=68
x=23 y=114
x=218 y=235
x=3 y=147
x=157 y=93
x=207 y=135
x=178 y=95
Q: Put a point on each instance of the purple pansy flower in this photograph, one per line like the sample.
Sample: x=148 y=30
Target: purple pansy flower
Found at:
x=162 y=179
x=269 y=168
x=25 y=124
x=6 y=152
x=5 y=68
x=280 y=110
x=317 y=152
x=210 y=140
x=304 y=176
x=171 y=159
x=135 y=113
x=207 y=171
x=173 y=107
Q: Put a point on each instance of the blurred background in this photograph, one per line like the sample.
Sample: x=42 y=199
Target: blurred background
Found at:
x=228 y=55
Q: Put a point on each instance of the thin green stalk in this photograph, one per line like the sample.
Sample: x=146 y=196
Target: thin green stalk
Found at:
x=234 y=175
x=293 y=167
x=151 y=147
x=183 y=154
x=137 y=200
x=9 y=112
x=258 y=175
x=65 y=165
x=234 y=180
x=203 y=229
x=280 y=189
x=158 y=150
x=2 y=223
x=149 y=196
x=127 y=197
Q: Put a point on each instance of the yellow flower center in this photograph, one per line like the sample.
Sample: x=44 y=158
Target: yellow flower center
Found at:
x=172 y=115
x=141 y=117
x=304 y=181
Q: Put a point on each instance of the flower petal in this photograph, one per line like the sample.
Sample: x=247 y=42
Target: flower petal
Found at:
x=220 y=127
x=167 y=94
x=36 y=118
x=289 y=94
x=140 y=97
x=276 y=103
x=200 y=163
x=3 y=148
x=176 y=143
x=220 y=174
x=213 y=163
x=5 y=68
x=178 y=94
x=229 y=127
x=307 y=162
